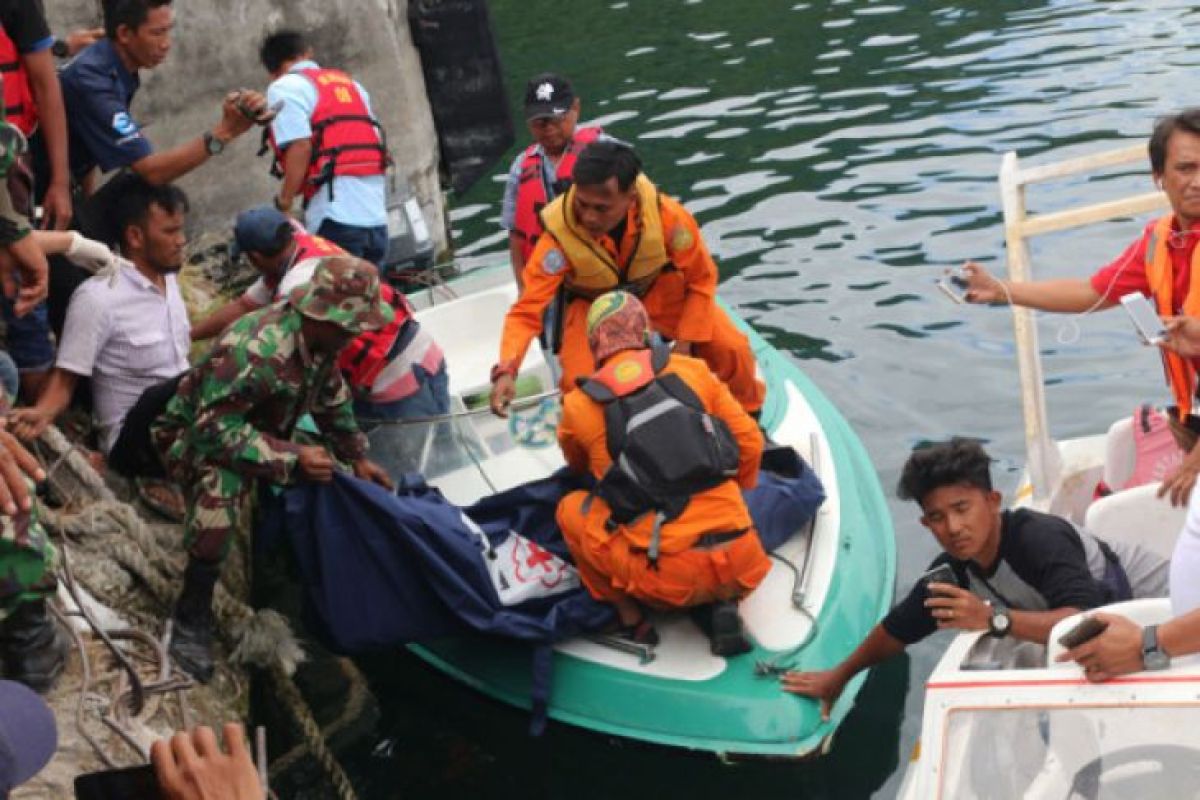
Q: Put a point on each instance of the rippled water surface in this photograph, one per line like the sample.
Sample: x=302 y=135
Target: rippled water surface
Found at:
x=838 y=155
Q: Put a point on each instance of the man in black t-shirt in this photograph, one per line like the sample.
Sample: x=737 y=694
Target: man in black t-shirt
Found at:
x=1015 y=573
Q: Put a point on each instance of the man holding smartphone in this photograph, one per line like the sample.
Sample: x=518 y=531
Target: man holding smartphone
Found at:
x=1157 y=264
x=1010 y=573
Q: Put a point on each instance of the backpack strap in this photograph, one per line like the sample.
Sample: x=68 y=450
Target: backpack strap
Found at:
x=596 y=390
x=615 y=420
x=676 y=387
x=660 y=353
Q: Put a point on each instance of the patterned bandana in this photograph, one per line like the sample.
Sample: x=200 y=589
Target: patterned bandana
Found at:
x=616 y=321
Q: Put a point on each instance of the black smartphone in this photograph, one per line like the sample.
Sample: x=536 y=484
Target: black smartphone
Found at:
x=131 y=783
x=942 y=573
x=1085 y=630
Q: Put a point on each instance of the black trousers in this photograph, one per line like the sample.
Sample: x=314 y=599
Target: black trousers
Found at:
x=133 y=454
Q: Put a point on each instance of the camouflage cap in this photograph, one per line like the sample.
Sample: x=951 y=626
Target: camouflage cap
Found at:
x=345 y=291
x=616 y=321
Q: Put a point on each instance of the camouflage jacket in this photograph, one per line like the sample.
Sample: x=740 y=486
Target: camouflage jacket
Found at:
x=239 y=406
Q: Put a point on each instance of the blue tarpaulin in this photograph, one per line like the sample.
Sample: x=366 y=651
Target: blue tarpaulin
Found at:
x=381 y=570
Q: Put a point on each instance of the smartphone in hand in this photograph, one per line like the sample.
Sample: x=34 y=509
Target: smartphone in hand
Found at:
x=1145 y=319
x=954 y=284
x=1087 y=629
x=119 y=784
x=942 y=573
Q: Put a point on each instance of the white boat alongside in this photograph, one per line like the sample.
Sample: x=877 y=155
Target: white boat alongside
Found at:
x=1002 y=719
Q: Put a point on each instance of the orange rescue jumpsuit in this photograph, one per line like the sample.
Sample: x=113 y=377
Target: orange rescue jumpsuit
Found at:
x=680 y=305
x=615 y=564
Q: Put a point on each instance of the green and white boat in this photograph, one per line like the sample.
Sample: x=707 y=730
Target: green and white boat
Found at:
x=829 y=583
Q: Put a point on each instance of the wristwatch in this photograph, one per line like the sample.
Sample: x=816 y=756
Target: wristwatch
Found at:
x=1000 y=623
x=1152 y=655
x=212 y=144
x=60 y=49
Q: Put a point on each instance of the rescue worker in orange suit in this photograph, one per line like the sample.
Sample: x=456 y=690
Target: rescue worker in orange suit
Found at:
x=710 y=552
x=1160 y=263
x=614 y=230
x=542 y=171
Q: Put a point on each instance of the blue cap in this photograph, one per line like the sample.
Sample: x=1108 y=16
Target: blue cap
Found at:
x=28 y=736
x=257 y=229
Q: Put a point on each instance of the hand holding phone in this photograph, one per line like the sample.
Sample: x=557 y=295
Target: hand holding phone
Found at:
x=1146 y=321
x=119 y=784
x=1085 y=630
x=953 y=284
x=942 y=573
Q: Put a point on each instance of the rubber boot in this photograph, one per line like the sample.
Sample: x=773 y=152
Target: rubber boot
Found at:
x=727 y=636
x=33 y=645
x=192 y=634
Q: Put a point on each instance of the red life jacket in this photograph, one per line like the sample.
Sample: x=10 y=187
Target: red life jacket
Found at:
x=309 y=245
x=364 y=358
x=346 y=138
x=19 y=108
x=532 y=192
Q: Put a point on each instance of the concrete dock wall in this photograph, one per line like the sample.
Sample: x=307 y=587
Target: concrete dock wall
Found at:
x=215 y=49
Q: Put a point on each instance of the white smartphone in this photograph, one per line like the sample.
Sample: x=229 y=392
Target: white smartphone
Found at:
x=954 y=285
x=1145 y=319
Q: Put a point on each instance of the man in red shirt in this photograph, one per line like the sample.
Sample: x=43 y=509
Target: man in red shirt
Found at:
x=1159 y=264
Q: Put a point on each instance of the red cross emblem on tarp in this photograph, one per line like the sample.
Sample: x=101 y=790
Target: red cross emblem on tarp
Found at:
x=532 y=562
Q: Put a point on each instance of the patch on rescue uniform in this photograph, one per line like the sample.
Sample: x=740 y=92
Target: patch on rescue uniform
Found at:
x=628 y=372
x=681 y=238
x=553 y=262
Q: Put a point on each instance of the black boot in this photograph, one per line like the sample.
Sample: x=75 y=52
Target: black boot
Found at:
x=192 y=634
x=726 y=634
x=34 y=646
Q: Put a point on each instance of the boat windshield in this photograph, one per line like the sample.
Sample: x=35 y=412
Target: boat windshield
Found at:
x=470 y=453
x=1072 y=753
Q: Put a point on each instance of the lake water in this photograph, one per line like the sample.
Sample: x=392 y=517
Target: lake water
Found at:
x=838 y=156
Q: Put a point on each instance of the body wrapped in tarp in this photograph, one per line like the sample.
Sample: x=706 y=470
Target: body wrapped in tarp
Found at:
x=381 y=570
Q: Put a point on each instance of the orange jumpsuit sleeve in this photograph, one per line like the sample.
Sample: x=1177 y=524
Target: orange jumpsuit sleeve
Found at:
x=720 y=403
x=541 y=279
x=581 y=435
x=686 y=247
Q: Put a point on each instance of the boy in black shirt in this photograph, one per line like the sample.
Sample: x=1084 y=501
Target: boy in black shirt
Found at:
x=1017 y=573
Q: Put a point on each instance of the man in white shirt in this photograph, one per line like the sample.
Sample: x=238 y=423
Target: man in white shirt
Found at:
x=127 y=328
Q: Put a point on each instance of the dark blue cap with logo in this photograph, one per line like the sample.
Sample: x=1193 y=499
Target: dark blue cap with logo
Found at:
x=28 y=736
x=258 y=229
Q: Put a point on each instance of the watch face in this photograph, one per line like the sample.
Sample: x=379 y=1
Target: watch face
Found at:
x=1156 y=659
x=1000 y=623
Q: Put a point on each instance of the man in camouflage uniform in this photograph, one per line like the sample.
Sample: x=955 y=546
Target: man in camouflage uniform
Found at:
x=232 y=418
x=32 y=646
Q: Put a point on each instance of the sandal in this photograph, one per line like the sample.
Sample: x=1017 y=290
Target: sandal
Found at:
x=162 y=497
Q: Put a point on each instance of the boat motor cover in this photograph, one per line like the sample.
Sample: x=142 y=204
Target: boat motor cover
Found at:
x=381 y=569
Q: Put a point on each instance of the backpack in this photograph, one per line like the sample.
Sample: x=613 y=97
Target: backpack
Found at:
x=664 y=446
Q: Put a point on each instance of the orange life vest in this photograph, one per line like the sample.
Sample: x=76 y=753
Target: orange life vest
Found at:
x=594 y=271
x=346 y=139
x=1181 y=374
x=19 y=107
x=532 y=192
